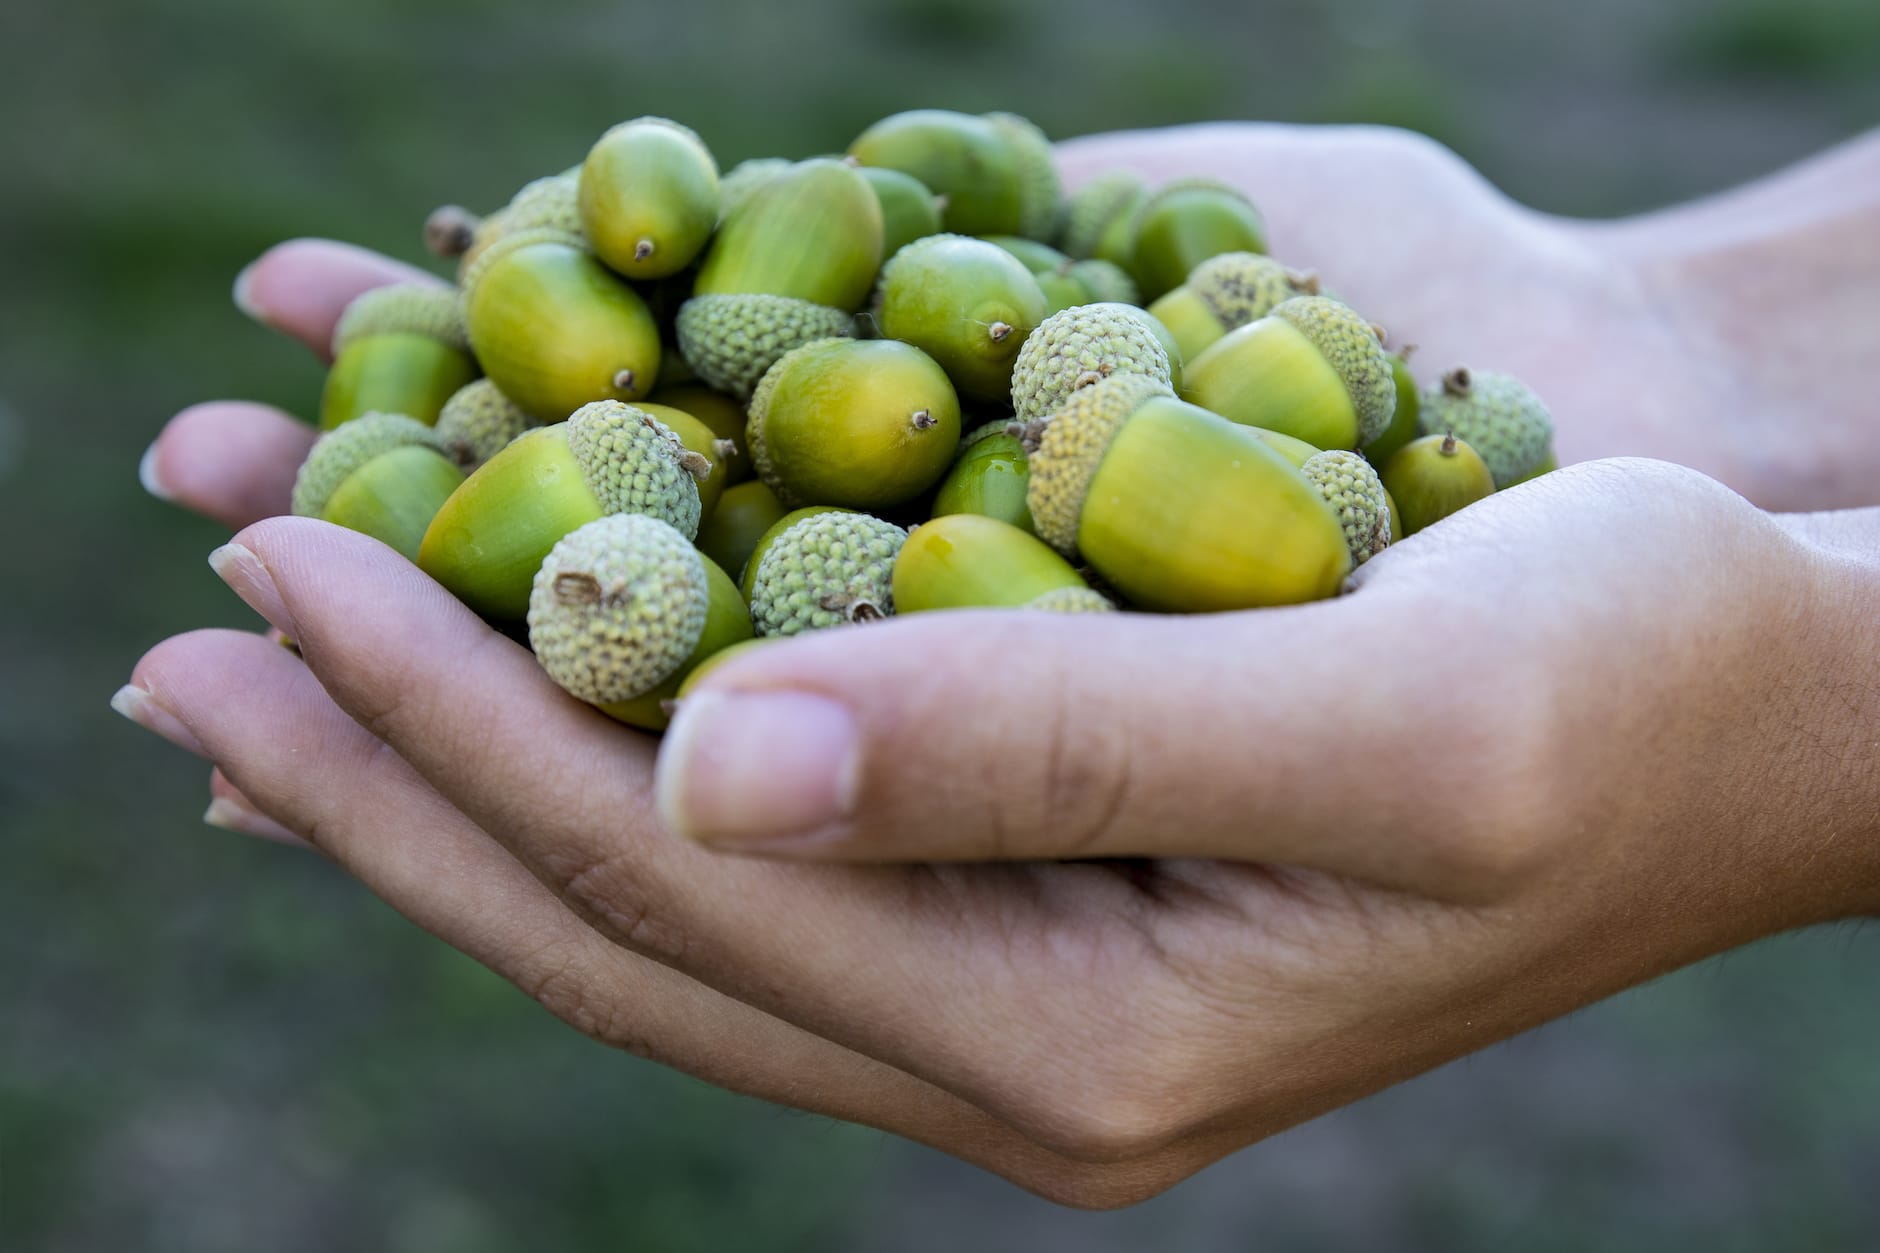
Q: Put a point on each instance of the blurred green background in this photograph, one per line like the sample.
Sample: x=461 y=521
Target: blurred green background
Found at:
x=208 y=1044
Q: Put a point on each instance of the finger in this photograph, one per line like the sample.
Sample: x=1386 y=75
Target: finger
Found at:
x=302 y=286
x=228 y=460
x=288 y=746
x=230 y=810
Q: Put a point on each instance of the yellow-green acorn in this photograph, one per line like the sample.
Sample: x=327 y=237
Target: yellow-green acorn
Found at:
x=1225 y=293
x=989 y=477
x=699 y=438
x=623 y=609
x=967 y=304
x=965 y=561
x=730 y=533
x=969 y=160
x=1109 y=199
x=478 y=422
x=738 y=182
x=648 y=197
x=1078 y=347
x=819 y=568
x=1296 y=451
x=723 y=414
x=1061 y=292
x=1106 y=283
x=1404 y=420
x=1432 y=477
x=487 y=541
x=397 y=349
x=1183 y=224
x=382 y=474
x=909 y=209
x=718 y=659
x=554 y=328
x=1038 y=257
x=1177 y=508
x=1040 y=194
x=1353 y=490
x=1311 y=368
x=1495 y=414
x=864 y=424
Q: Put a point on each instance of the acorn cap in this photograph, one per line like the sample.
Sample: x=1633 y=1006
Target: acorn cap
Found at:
x=403 y=309
x=477 y=422
x=822 y=568
x=1072 y=600
x=634 y=463
x=339 y=452
x=1040 y=193
x=1353 y=349
x=1083 y=345
x=1495 y=414
x=617 y=607
x=732 y=340
x=509 y=241
x=1357 y=495
x=1238 y=287
x=1093 y=206
x=1106 y=282
x=1065 y=451
x=551 y=203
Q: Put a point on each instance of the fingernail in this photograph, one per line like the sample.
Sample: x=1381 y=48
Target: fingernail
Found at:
x=749 y=769
x=142 y=708
x=228 y=815
x=242 y=570
x=244 y=296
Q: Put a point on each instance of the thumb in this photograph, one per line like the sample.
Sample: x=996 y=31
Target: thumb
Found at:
x=980 y=736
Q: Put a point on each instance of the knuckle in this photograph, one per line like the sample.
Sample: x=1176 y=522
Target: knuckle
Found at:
x=1107 y=1112
x=562 y=984
x=617 y=897
x=1083 y=788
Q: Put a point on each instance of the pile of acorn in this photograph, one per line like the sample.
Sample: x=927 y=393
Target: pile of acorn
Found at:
x=666 y=412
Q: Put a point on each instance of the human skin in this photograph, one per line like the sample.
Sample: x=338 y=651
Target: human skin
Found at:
x=1585 y=732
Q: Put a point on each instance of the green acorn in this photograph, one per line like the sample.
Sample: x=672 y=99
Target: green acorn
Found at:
x=965 y=561
x=967 y=304
x=1105 y=202
x=723 y=414
x=1225 y=293
x=1183 y=224
x=1039 y=258
x=863 y=424
x=819 y=568
x=382 y=474
x=1351 y=487
x=397 y=349
x=648 y=197
x=1178 y=509
x=909 y=209
x=1040 y=194
x=969 y=160
x=719 y=658
x=989 y=477
x=1105 y=282
x=738 y=182
x=699 y=438
x=1296 y=451
x=555 y=329
x=489 y=538
x=1404 y=420
x=623 y=609
x=477 y=422
x=1495 y=414
x=1311 y=368
x=1079 y=347
x=1433 y=477
x=730 y=533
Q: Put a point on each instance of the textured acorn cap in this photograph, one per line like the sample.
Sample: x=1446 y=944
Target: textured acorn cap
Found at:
x=1106 y=282
x=730 y=341
x=1354 y=350
x=339 y=452
x=1239 y=287
x=617 y=607
x=551 y=203
x=1065 y=450
x=1080 y=346
x=478 y=422
x=736 y=184
x=1040 y=193
x=1495 y=414
x=403 y=309
x=634 y=463
x=1072 y=600
x=1177 y=186
x=512 y=241
x=825 y=570
x=1357 y=496
x=1092 y=207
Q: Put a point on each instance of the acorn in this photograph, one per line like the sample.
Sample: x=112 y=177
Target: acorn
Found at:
x=1061 y=292
x=989 y=477
x=1177 y=508
x=1404 y=419
x=1547 y=466
x=397 y=349
x=1432 y=477
x=1036 y=256
x=478 y=422
x=489 y=538
x=1105 y=282
x=819 y=568
x=623 y=609
x=1495 y=414
x=1185 y=222
x=909 y=209
x=967 y=304
x=1105 y=202
x=555 y=329
x=1351 y=487
x=1311 y=368
x=864 y=424
x=701 y=439
x=648 y=197
x=966 y=561
x=737 y=183
x=724 y=415
x=730 y=533
x=382 y=474
x=1296 y=451
x=969 y=160
x=1078 y=347
x=1223 y=294
x=1040 y=193
x=717 y=659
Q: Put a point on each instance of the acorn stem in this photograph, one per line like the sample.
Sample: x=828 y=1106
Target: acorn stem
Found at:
x=998 y=331
x=923 y=420
x=623 y=380
x=1457 y=381
x=449 y=231
x=643 y=250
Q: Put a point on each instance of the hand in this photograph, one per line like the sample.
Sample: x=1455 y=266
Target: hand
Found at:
x=1553 y=747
